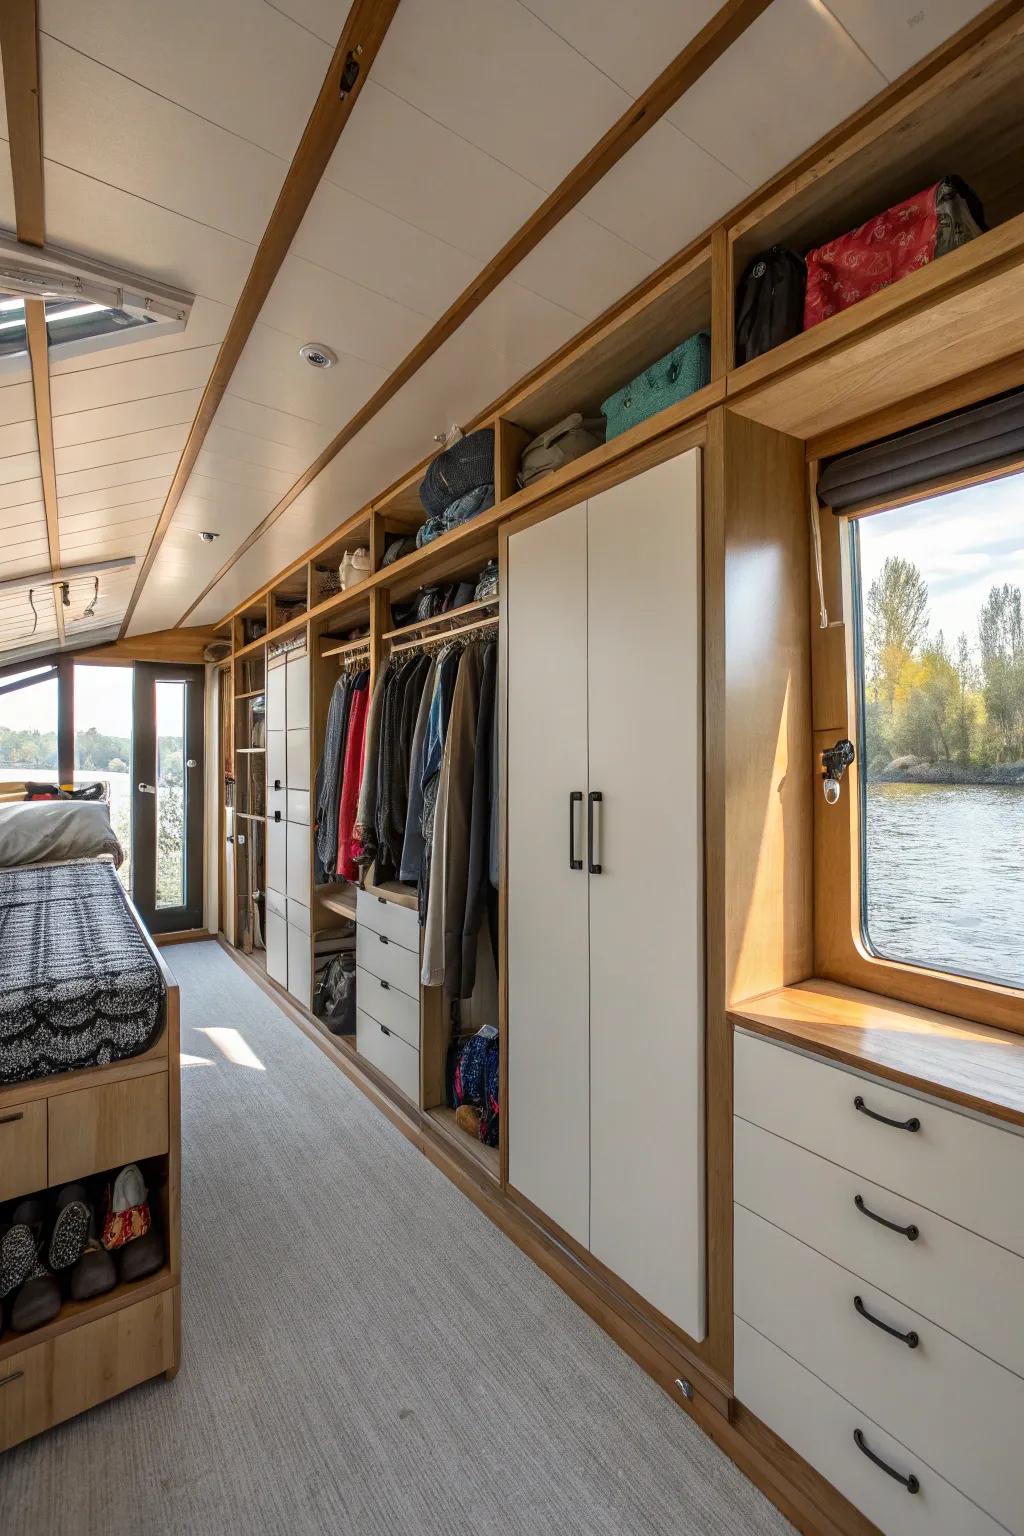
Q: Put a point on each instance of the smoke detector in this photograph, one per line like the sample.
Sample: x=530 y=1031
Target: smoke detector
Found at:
x=317 y=355
x=207 y=535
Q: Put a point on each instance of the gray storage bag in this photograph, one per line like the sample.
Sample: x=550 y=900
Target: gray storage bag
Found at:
x=560 y=444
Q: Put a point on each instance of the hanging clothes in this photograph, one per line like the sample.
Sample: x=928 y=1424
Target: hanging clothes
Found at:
x=328 y=779
x=345 y=862
x=365 y=832
x=479 y=893
x=433 y=754
x=401 y=705
x=457 y=815
x=412 y=841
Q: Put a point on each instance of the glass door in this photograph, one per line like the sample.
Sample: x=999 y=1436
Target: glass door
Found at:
x=167 y=798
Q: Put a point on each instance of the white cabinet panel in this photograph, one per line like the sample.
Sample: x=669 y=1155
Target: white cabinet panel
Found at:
x=545 y=627
x=277 y=772
x=396 y=1010
x=297 y=754
x=298 y=862
x=297 y=692
x=389 y=1053
x=298 y=805
x=277 y=845
x=277 y=799
x=300 y=964
x=400 y=924
x=277 y=947
x=276 y=685
x=391 y=963
x=645 y=670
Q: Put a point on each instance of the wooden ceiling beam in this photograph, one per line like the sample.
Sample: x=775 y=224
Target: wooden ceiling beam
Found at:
x=358 y=46
x=728 y=24
x=19 y=49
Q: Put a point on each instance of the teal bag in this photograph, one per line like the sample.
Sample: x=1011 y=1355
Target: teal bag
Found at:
x=679 y=373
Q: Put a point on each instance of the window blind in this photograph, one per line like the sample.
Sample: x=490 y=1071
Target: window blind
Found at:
x=983 y=434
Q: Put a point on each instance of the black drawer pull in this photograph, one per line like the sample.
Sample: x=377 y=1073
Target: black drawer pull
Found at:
x=277 y=815
x=911 y=1232
x=277 y=783
x=575 y=799
x=913 y=1124
x=19 y=1114
x=383 y=939
x=594 y=798
x=386 y=985
x=5 y=1381
x=909 y=1482
x=385 y=1031
x=910 y=1339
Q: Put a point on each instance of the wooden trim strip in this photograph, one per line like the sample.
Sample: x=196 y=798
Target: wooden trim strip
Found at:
x=728 y=24
x=39 y=355
x=361 y=37
x=19 y=45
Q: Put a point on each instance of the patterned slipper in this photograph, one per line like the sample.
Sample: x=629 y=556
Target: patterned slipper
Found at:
x=70 y=1234
x=18 y=1251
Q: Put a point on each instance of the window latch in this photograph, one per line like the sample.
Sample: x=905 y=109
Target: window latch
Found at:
x=834 y=762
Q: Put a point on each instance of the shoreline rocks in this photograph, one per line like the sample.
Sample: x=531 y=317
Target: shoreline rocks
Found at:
x=917 y=770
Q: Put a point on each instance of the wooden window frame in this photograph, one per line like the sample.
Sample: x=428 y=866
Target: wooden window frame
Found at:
x=840 y=950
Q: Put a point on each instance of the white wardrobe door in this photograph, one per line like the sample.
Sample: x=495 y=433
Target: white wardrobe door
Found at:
x=297 y=698
x=276 y=694
x=646 y=906
x=544 y=613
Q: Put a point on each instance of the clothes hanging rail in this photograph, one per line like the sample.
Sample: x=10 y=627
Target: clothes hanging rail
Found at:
x=441 y=620
x=347 y=648
x=444 y=635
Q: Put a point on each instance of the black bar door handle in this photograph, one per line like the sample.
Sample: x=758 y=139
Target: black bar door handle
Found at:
x=575 y=799
x=910 y=1232
x=909 y=1482
x=913 y=1124
x=594 y=798
x=910 y=1339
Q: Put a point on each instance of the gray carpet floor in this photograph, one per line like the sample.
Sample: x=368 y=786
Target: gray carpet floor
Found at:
x=364 y=1353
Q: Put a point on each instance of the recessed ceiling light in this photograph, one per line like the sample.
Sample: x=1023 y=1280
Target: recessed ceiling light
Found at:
x=317 y=355
x=207 y=535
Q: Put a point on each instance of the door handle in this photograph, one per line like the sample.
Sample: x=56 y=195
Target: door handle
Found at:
x=147 y=789
x=594 y=798
x=575 y=798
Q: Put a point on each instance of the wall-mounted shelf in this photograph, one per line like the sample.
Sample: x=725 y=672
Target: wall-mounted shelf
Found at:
x=341 y=900
x=441 y=621
x=346 y=647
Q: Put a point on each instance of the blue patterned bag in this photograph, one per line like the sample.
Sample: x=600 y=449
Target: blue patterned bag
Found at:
x=679 y=373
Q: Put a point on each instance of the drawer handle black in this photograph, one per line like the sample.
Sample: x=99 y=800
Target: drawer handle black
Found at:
x=911 y=1232
x=385 y=1031
x=913 y=1124
x=575 y=798
x=910 y=1339
x=277 y=783
x=277 y=815
x=5 y=1381
x=909 y=1482
x=386 y=985
x=383 y=939
x=19 y=1114
x=594 y=798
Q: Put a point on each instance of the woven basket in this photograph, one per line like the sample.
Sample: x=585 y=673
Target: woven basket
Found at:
x=679 y=373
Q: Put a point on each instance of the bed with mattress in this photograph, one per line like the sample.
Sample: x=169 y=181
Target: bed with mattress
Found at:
x=80 y=985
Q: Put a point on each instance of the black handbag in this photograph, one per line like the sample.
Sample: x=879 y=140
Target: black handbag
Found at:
x=769 y=302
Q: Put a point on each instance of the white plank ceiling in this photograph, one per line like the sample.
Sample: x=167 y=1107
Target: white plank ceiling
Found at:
x=167 y=133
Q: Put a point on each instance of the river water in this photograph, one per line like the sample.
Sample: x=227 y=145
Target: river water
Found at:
x=945 y=877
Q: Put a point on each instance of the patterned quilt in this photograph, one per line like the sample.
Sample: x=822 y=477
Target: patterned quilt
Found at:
x=78 y=984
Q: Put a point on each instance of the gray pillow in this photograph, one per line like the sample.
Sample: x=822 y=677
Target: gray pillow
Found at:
x=54 y=831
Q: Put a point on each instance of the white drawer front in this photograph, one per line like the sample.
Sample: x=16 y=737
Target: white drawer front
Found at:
x=945 y=1402
x=399 y=924
x=971 y=1287
x=390 y=1053
x=389 y=1006
x=298 y=862
x=376 y=953
x=276 y=902
x=277 y=947
x=297 y=699
x=300 y=964
x=298 y=915
x=277 y=770
x=820 y=1425
x=963 y=1168
x=277 y=856
x=297 y=758
x=277 y=804
x=298 y=805
x=276 y=697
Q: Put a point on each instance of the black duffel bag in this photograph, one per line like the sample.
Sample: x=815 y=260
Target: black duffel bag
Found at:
x=769 y=302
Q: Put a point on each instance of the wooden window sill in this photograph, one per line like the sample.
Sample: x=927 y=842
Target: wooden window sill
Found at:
x=972 y=1065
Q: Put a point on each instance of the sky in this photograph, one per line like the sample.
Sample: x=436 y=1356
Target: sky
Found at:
x=964 y=543
x=103 y=698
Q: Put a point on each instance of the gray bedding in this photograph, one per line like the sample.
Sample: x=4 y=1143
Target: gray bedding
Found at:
x=56 y=831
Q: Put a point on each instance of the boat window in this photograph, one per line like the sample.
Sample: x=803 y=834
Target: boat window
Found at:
x=940 y=652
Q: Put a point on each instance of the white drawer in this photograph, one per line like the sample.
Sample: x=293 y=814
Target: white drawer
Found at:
x=389 y=1006
x=969 y=1286
x=820 y=1425
x=376 y=953
x=277 y=856
x=277 y=804
x=276 y=902
x=400 y=924
x=949 y=1405
x=298 y=915
x=297 y=759
x=276 y=696
x=297 y=698
x=277 y=768
x=298 y=866
x=300 y=963
x=966 y=1169
x=277 y=947
x=298 y=805
x=389 y=1053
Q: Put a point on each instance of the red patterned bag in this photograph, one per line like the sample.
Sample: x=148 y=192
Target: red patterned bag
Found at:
x=890 y=245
